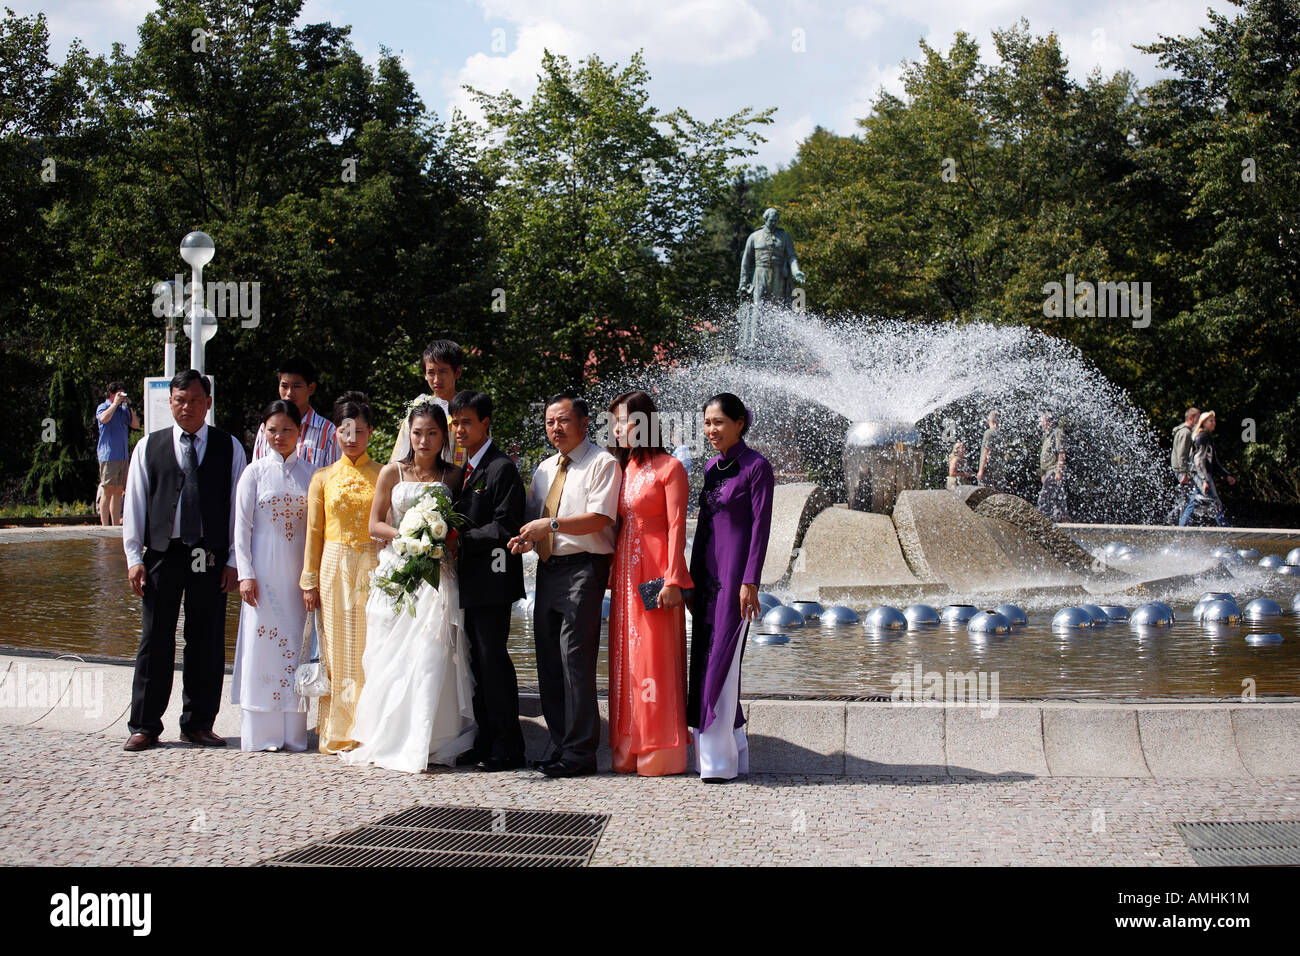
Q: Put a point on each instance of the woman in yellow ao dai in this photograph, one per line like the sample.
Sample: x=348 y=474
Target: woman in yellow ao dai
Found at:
x=336 y=568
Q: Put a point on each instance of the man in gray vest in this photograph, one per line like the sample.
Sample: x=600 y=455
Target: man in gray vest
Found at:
x=993 y=464
x=177 y=530
x=1180 y=459
x=1051 y=469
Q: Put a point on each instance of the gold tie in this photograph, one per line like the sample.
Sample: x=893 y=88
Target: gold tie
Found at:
x=553 y=506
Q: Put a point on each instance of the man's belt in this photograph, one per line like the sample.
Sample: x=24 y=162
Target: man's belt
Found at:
x=580 y=558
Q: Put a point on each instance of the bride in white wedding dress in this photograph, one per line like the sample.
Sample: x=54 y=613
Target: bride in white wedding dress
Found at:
x=416 y=705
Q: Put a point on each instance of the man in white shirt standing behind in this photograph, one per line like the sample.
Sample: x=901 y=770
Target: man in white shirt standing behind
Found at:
x=442 y=362
x=573 y=501
x=178 y=529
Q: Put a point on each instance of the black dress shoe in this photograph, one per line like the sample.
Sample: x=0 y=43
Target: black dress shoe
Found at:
x=202 y=738
x=138 y=742
x=547 y=762
x=498 y=764
x=562 y=768
x=468 y=759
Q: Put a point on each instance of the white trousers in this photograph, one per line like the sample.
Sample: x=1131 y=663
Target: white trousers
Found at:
x=272 y=730
x=722 y=751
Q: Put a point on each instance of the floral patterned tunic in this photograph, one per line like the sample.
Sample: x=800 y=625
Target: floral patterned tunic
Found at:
x=647 y=649
x=270 y=529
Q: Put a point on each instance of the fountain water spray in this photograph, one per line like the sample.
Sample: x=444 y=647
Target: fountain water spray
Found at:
x=923 y=386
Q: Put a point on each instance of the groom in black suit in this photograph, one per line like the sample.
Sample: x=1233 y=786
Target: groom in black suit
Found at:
x=491 y=498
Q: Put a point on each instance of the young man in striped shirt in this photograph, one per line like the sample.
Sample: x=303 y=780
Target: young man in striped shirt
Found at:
x=316 y=442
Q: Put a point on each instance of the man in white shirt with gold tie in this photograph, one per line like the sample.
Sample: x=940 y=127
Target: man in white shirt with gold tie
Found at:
x=573 y=501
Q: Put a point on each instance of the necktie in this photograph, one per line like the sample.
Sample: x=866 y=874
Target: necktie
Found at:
x=191 y=522
x=553 y=506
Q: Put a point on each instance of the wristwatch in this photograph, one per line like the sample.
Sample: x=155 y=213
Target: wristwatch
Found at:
x=555 y=524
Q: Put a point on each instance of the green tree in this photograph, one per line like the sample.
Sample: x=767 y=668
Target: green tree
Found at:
x=962 y=198
x=354 y=211
x=599 y=217
x=43 y=142
x=64 y=467
x=726 y=227
x=1232 y=112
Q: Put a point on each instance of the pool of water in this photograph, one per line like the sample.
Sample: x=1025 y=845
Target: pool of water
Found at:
x=72 y=597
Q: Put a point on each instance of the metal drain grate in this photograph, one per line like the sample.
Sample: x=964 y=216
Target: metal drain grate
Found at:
x=459 y=836
x=1248 y=843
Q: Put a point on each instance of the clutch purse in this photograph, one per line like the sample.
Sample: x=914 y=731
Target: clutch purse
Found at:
x=650 y=593
x=311 y=679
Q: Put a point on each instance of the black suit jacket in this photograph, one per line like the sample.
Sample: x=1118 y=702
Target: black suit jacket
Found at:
x=492 y=501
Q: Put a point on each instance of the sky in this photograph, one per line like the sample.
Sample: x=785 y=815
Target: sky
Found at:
x=820 y=64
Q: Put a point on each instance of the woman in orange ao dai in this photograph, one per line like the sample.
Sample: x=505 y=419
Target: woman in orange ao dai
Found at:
x=647 y=648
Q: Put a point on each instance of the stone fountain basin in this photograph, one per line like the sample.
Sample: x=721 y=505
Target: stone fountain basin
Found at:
x=964 y=545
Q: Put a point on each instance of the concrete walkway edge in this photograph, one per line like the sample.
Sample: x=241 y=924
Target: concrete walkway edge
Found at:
x=1152 y=739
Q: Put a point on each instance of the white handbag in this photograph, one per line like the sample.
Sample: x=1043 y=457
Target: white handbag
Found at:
x=312 y=679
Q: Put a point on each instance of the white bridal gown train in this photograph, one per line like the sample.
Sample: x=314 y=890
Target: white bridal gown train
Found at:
x=417 y=704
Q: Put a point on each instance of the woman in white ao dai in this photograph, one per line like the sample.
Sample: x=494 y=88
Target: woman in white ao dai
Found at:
x=270 y=531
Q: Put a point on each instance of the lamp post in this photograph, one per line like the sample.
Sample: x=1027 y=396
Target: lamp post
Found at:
x=170 y=294
x=169 y=349
x=197 y=249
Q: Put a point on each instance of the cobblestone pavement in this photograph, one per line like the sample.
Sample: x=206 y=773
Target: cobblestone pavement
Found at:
x=69 y=799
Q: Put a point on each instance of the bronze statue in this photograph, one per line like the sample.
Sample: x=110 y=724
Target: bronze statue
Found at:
x=768 y=270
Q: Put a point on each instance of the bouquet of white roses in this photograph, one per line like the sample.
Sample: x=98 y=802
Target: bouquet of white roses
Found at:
x=420 y=546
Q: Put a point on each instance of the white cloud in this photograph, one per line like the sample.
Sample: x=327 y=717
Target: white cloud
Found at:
x=862 y=21
x=516 y=71
x=684 y=31
x=690 y=33
x=783 y=139
x=866 y=89
x=97 y=23
x=1105 y=38
x=1098 y=34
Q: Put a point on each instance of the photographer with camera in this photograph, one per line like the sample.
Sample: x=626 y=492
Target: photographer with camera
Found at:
x=115 y=416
